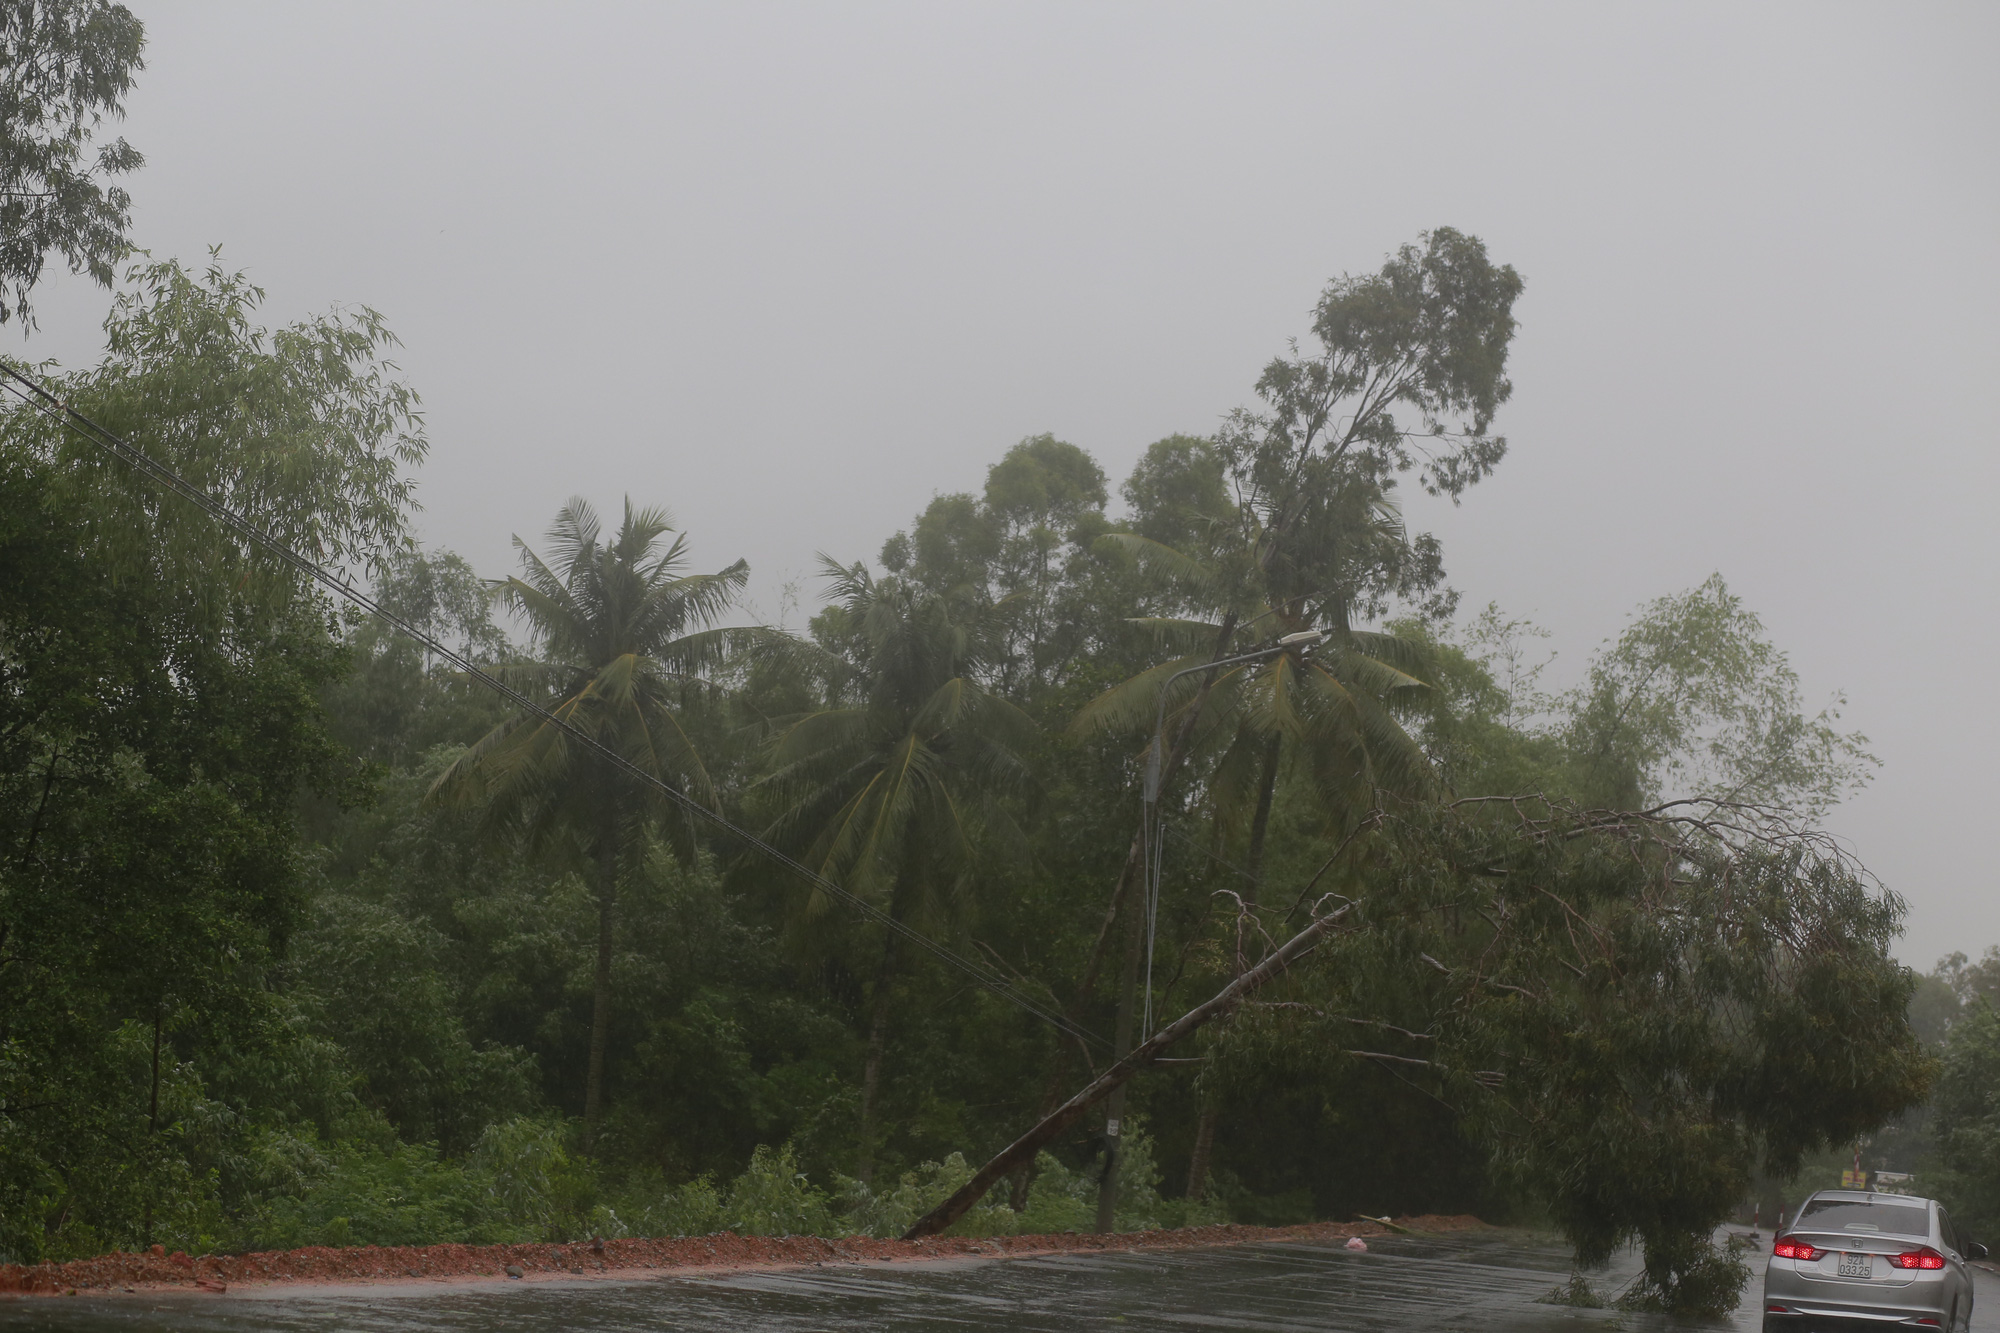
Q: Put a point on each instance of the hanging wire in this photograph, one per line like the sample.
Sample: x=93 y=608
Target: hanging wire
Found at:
x=1152 y=826
x=32 y=392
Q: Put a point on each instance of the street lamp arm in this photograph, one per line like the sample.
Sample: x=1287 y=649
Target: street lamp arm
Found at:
x=1151 y=793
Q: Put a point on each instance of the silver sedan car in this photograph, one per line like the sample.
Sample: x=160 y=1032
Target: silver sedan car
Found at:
x=1852 y=1259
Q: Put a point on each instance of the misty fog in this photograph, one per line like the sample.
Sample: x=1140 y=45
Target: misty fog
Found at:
x=792 y=270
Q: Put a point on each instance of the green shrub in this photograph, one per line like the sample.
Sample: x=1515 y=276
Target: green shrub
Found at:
x=1965 y=1121
x=368 y=1194
x=773 y=1198
x=1207 y=1212
x=693 y=1209
x=1063 y=1200
x=1059 y=1200
x=891 y=1213
x=524 y=1182
x=535 y=1182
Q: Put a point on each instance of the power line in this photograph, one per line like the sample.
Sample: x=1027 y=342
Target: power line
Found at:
x=36 y=395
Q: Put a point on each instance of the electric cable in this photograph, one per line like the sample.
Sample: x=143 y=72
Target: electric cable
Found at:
x=35 y=394
x=1152 y=824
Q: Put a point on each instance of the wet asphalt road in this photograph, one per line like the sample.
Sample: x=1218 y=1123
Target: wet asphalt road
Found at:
x=1487 y=1282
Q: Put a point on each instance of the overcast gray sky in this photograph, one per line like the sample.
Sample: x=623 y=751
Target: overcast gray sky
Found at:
x=791 y=270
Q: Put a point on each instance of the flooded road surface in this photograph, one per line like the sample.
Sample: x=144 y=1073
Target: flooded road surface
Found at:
x=1460 y=1283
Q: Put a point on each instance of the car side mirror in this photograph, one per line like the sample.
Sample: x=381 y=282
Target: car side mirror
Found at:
x=1974 y=1250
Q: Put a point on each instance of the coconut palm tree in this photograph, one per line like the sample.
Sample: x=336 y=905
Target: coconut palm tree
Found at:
x=1327 y=713
x=1332 y=710
x=887 y=791
x=623 y=640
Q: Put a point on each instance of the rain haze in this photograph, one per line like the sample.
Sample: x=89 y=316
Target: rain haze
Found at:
x=791 y=271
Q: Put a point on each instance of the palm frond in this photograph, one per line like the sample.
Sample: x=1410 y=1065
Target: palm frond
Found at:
x=550 y=605
x=1269 y=701
x=821 y=731
x=1180 y=634
x=1233 y=783
x=1372 y=674
x=460 y=780
x=1188 y=575
x=946 y=707
x=668 y=749
x=1134 y=703
x=640 y=530
x=574 y=534
x=672 y=607
x=615 y=683
x=849 y=585
x=1406 y=655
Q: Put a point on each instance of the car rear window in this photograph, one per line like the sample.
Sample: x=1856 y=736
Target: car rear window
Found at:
x=1894 y=1219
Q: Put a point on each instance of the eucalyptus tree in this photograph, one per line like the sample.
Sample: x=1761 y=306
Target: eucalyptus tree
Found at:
x=626 y=641
x=1408 y=372
x=891 y=789
x=1287 y=523
x=1407 y=375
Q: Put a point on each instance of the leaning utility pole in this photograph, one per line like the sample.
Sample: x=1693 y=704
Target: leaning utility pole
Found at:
x=1024 y=1148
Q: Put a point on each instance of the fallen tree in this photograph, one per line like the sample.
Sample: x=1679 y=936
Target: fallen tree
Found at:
x=1142 y=1056
x=1631 y=1012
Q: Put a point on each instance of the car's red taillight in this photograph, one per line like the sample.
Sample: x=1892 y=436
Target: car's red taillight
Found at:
x=1921 y=1257
x=1791 y=1247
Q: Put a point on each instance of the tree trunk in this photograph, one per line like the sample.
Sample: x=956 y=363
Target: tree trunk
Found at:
x=600 y=1002
x=152 y=1126
x=153 y=1102
x=1260 y=825
x=1114 y=1108
x=1127 y=874
x=1024 y=1174
x=1053 y=1125
x=1204 y=1145
x=871 y=1069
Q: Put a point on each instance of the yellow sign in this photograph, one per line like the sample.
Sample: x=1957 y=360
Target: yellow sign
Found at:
x=1854 y=1180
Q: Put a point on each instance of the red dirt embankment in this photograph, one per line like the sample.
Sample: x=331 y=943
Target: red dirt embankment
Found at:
x=616 y=1258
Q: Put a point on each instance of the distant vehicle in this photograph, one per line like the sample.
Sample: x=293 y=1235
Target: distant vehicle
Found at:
x=1856 y=1256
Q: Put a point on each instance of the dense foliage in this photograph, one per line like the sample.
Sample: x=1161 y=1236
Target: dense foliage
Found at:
x=305 y=937
x=65 y=65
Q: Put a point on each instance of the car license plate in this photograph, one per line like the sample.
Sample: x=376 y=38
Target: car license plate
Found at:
x=1855 y=1265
